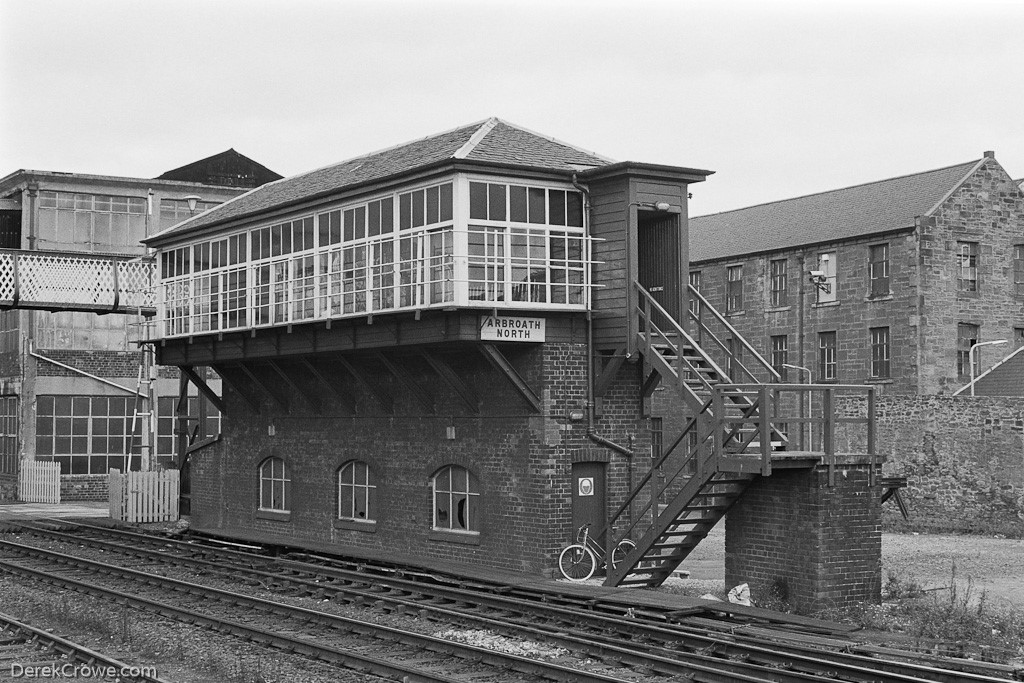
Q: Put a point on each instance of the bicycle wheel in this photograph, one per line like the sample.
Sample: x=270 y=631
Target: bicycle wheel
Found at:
x=577 y=563
x=623 y=548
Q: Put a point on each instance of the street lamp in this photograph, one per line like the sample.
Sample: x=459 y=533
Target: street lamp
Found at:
x=803 y=402
x=193 y=200
x=970 y=357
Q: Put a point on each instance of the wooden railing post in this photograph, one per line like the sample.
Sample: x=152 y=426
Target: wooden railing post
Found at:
x=718 y=424
x=764 y=430
x=871 y=435
x=828 y=433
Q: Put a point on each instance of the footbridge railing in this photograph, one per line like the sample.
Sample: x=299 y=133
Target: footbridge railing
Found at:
x=66 y=281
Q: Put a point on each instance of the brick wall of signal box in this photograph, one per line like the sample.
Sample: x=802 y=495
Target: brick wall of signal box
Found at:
x=521 y=460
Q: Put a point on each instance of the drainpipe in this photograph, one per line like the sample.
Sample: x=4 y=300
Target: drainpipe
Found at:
x=591 y=433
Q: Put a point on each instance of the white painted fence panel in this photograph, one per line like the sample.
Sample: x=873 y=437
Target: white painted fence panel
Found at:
x=39 y=482
x=143 y=497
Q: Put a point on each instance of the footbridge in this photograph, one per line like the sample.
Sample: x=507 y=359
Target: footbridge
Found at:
x=76 y=281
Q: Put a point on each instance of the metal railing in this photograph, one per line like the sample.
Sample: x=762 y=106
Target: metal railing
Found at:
x=96 y=283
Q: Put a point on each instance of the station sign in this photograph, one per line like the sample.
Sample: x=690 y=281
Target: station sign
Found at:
x=502 y=328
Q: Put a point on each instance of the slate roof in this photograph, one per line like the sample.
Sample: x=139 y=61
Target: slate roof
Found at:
x=850 y=212
x=492 y=140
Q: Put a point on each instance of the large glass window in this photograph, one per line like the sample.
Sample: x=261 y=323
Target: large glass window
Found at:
x=91 y=222
x=524 y=246
x=827 y=365
x=780 y=355
x=879 y=352
x=275 y=485
x=1018 y=270
x=878 y=270
x=9 y=423
x=456 y=500
x=967 y=266
x=87 y=434
x=778 y=279
x=734 y=289
x=357 y=493
x=966 y=337
x=695 y=282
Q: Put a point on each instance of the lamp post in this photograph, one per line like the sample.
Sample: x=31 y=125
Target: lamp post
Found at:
x=193 y=201
x=970 y=357
x=803 y=400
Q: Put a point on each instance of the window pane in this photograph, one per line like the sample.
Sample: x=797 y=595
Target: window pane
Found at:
x=478 y=201
x=517 y=204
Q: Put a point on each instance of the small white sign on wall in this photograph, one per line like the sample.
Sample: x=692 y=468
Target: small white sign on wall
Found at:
x=501 y=328
x=585 y=486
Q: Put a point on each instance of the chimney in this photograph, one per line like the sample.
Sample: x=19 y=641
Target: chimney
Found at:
x=990 y=155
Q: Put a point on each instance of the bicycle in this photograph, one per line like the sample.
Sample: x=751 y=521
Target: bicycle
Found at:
x=579 y=561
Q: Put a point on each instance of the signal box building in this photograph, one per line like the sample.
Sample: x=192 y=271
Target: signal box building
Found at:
x=69 y=376
x=442 y=351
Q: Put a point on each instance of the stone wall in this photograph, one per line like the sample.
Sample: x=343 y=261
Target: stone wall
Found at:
x=963 y=458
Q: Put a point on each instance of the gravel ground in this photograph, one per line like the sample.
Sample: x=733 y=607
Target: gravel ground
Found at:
x=992 y=565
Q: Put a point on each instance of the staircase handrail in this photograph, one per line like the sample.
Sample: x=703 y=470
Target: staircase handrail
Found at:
x=775 y=377
x=624 y=532
x=651 y=328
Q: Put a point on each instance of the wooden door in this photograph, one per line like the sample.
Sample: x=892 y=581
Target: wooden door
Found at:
x=658 y=261
x=588 y=497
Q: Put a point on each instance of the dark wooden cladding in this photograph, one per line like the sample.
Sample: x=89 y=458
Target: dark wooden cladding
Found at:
x=434 y=328
x=614 y=219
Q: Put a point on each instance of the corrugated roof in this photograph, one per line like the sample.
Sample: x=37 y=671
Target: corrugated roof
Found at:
x=877 y=207
x=492 y=140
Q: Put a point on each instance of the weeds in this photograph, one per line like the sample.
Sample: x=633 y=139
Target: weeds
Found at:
x=954 y=621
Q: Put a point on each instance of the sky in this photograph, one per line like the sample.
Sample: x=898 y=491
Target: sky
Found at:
x=779 y=98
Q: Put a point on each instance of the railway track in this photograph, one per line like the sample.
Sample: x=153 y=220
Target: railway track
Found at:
x=696 y=645
x=30 y=652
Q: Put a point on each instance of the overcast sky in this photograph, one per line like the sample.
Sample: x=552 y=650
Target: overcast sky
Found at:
x=779 y=98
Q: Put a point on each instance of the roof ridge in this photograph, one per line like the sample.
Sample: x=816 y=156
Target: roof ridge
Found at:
x=389 y=148
x=974 y=164
x=607 y=160
x=474 y=140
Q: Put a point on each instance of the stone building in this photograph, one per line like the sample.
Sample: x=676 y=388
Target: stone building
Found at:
x=890 y=284
x=69 y=379
x=910 y=273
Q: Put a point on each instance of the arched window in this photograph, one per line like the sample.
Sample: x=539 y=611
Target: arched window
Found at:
x=275 y=486
x=357 y=493
x=456 y=500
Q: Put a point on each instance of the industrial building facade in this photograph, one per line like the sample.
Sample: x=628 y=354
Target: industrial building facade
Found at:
x=912 y=272
x=70 y=379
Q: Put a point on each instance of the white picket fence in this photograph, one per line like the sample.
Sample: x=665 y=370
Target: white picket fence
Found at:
x=142 y=497
x=39 y=482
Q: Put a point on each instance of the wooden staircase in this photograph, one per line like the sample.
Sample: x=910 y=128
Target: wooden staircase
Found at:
x=725 y=445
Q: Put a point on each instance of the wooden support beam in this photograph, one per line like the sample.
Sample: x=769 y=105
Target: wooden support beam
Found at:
x=229 y=376
x=386 y=401
x=502 y=365
x=651 y=383
x=203 y=387
x=299 y=387
x=453 y=380
x=425 y=400
x=335 y=387
x=607 y=374
x=281 y=401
